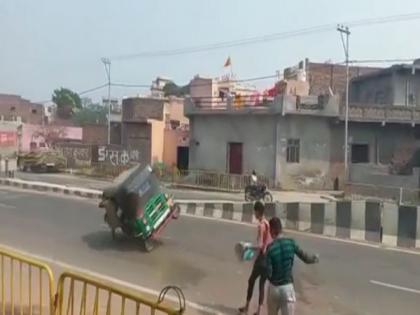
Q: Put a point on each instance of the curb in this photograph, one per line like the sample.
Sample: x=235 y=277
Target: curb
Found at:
x=46 y=187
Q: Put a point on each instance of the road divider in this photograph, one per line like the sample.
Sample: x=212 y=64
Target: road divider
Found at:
x=359 y=220
x=54 y=188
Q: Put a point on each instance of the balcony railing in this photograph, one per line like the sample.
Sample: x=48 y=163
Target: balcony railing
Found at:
x=324 y=105
x=375 y=113
x=327 y=106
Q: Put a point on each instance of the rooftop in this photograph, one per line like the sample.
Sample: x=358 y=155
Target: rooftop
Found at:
x=387 y=71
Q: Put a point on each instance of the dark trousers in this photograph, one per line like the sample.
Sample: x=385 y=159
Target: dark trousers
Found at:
x=258 y=270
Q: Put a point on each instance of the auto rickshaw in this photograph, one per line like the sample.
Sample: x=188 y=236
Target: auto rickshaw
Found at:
x=137 y=206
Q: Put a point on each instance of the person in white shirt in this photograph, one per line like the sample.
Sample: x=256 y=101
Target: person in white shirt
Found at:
x=254 y=178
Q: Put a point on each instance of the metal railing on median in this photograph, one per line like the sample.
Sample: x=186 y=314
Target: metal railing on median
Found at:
x=208 y=179
x=400 y=195
x=27 y=285
x=82 y=294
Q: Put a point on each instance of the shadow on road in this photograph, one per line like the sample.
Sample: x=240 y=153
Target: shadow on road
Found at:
x=102 y=240
x=179 y=270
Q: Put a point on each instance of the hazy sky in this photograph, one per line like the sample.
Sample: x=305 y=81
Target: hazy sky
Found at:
x=46 y=44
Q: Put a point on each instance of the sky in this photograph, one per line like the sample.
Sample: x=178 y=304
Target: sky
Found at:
x=46 y=44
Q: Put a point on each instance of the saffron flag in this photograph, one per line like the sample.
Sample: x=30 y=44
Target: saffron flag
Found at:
x=228 y=62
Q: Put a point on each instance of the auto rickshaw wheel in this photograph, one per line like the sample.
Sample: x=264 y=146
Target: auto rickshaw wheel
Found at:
x=148 y=245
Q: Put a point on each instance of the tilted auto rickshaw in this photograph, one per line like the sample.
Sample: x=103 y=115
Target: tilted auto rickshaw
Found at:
x=137 y=206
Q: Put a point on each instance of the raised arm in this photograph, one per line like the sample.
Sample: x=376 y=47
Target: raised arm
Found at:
x=306 y=257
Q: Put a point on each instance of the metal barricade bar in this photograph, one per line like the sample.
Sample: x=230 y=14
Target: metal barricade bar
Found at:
x=83 y=294
x=19 y=276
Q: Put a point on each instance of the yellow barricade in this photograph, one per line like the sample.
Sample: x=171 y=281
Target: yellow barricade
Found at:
x=82 y=294
x=27 y=285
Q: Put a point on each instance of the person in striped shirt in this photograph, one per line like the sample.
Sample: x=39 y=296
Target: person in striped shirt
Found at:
x=279 y=260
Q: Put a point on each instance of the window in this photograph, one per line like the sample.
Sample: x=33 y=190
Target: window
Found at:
x=293 y=150
x=13 y=108
x=34 y=111
x=42 y=145
x=360 y=153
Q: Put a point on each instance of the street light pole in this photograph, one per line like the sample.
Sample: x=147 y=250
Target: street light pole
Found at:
x=107 y=65
x=344 y=31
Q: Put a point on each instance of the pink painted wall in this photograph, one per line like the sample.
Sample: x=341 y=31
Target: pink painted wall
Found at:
x=28 y=131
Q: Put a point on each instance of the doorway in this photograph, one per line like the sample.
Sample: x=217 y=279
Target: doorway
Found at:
x=235 y=158
x=182 y=158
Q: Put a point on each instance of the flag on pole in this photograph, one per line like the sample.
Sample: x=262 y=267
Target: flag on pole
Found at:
x=228 y=62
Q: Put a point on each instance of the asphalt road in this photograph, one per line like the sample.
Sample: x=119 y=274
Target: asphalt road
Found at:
x=197 y=255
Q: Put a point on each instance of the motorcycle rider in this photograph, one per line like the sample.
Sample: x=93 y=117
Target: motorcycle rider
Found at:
x=254 y=183
x=254 y=178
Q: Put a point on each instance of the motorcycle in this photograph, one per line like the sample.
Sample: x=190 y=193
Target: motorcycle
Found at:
x=258 y=192
x=138 y=207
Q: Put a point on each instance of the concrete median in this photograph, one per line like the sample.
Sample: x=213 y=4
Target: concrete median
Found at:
x=361 y=220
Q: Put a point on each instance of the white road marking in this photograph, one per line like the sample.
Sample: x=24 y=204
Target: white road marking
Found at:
x=393 y=286
x=116 y=281
x=3 y=205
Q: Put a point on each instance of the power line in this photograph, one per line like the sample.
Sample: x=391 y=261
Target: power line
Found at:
x=269 y=37
x=252 y=79
x=131 y=85
x=93 y=89
x=79 y=93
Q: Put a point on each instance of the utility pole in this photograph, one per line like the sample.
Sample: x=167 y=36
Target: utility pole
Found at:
x=344 y=31
x=107 y=65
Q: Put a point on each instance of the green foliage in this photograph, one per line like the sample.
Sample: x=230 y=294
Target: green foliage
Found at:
x=91 y=114
x=67 y=101
x=171 y=89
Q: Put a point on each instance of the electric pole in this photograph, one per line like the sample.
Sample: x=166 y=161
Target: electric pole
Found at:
x=344 y=31
x=107 y=65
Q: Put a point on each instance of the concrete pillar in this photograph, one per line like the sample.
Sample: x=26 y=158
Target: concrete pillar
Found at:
x=390 y=224
x=358 y=225
x=330 y=227
x=304 y=223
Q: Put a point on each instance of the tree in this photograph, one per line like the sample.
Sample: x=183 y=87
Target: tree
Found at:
x=67 y=101
x=50 y=134
x=91 y=114
x=171 y=89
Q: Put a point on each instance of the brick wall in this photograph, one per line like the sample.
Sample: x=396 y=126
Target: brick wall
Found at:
x=13 y=106
x=321 y=76
x=137 y=136
x=77 y=155
x=95 y=134
x=140 y=109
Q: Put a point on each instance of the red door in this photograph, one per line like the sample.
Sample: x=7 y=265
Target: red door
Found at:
x=235 y=158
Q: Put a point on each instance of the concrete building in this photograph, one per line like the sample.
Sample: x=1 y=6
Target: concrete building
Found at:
x=156 y=89
x=9 y=138
x=16 y=108
x=157 y=129
x=398 y=85
x=325 y=77
x=298 y=140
